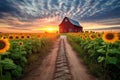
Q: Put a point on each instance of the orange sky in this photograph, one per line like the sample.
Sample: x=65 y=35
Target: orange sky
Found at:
x=43 y=25
x=48 y=27
x=38 y=25
x=46 y=15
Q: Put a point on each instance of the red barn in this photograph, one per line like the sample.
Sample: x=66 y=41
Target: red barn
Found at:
x=69 y=25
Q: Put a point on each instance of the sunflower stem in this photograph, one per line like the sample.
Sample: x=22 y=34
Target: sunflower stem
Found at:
x=94 y=48
x=20 y=52
x=0 y=67
x=105 y=65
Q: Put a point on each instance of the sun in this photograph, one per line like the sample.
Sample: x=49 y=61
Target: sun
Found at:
x=50 y=29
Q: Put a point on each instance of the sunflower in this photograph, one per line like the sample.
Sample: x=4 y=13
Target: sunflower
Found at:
x=4 y=37
x=22 y=36
x=4 y=45
x=39 y=36
x=16 y=37
x=110 y=37
x=86 y=36
x=28 y=37
x=118 y=36
x=11 y=37
x=0 y=36
x=92 y=37
x=20 y=43
x=98 y=35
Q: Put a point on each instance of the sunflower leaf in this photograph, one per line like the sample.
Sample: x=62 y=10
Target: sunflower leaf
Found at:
x=8 y=64
x=89 y=46
x=114 y=51
x=23 y=59
x=111 y=60
x=15 y=55
x=23 y=52
x=101 y=51
x=17 y=71
x=100 y=59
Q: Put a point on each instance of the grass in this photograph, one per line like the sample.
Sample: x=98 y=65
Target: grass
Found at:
x=35 y=59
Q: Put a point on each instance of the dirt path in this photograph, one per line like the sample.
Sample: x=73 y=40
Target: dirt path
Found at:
x=46 y=69
x=61 y=62
x=62 y=69
x=78 y=70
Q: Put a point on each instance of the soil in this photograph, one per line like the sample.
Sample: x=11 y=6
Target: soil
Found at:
x=78 y=69
x=46 y=69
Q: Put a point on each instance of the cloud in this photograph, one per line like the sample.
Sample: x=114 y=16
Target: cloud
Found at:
x=31 y=13
x=110 y=28
x=113 y=21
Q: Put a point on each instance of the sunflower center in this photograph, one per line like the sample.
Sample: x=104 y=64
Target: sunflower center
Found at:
x=109 y=36
x=92 y=36
x=11 y=37
x=118 y=37
x=22 y=36
x=2 y=44
x=28 y=36
x=4 y=37
x=99 y=35
x=20 y=43
x=17 y=37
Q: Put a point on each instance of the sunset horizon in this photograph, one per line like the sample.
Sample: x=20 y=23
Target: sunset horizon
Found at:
x=30 y=16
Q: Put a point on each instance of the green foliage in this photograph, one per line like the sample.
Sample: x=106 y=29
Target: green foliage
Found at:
x=17 y=71
x=111 y=60
x=102 y=58
x=114 y=51
x=8 y=64
x=101 y=50
x=7 y=76
x=13 y=62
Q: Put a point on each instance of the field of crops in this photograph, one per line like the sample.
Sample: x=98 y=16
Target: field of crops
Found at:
x=19 y=49
x=99 y=51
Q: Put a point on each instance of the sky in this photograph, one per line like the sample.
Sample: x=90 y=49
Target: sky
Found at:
x=37 y=15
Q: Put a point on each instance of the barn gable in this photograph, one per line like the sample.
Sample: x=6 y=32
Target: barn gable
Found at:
x=69 y=25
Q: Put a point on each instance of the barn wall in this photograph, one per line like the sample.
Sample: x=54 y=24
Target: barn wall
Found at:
x=67 y=26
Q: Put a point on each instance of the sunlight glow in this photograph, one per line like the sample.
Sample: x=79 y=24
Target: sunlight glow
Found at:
x=49 y=29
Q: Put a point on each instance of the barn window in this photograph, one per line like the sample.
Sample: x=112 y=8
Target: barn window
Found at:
x=66 y=20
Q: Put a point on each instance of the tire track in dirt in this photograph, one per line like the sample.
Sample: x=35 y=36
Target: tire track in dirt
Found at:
x=62 y=69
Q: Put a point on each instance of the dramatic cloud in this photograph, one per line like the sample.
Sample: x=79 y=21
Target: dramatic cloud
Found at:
x=30 y=14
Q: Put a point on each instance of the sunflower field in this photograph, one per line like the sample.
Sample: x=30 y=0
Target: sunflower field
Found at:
x=19 y=49
x=99 y=51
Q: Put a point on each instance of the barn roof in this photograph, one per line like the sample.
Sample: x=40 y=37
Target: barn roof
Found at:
x=74 y=22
